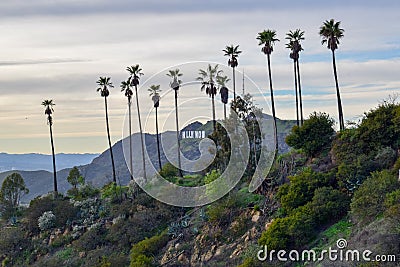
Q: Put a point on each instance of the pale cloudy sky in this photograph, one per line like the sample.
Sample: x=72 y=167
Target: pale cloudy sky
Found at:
x=58 y=49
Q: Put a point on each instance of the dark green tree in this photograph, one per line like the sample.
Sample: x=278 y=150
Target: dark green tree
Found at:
x=267 y=39
x=75 y=178
x=331 y=33
x=12 y=189
x=48 y=104
x=315 y=134
x=105 y=83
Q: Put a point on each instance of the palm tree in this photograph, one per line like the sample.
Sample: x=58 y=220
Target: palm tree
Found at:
x=331 y=33
x=135 y=72
x=105 y=83
x=208 y=80
x=295 y=47
x=125 y=86
x=48 y=104
x=267 y=38
x=175 y=84
x=232 y=52
x=222 y=80
x=155 y=96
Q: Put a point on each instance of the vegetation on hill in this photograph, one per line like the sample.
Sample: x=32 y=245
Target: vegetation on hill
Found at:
x=334 y=185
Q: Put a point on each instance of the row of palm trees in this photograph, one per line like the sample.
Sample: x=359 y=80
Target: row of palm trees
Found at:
x=211 y=80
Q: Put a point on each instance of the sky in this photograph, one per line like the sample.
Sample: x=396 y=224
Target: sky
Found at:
x=58 y=49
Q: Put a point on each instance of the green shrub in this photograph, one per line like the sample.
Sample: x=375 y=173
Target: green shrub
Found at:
x=368 y=200
x=168 y=170
x=91 y=239
x=13 y=242
x=315 y=134
x=113 y=192
x=301 y=226
x=142 y=253
x=301 y=188
x=62 y=208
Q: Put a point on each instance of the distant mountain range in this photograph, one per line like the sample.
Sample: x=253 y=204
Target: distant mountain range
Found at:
x=37 y=162
x=98 y=171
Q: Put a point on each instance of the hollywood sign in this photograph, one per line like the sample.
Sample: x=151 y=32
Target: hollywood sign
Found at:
x=193 y=134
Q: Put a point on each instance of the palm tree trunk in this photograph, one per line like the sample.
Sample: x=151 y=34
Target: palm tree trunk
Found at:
x=224 y=111
x=130 y=139
x=109 y=141
x=213 y=110
x=234 y=83
x=295 y=89
x=141 y=135
x=341 y=121
x=54 y=161
x=300 y=98
x=177 y=134
x=273 y=105
x=158 y=141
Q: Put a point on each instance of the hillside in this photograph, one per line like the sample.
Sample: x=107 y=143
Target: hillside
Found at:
x=334 y=192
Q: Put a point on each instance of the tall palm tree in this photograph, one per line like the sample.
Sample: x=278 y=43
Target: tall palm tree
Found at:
x=48 y=104
x=232 y=52
x=295 y=48
x=331 y=33
x=134 y=79
x=105 y=83
x=155 y=96
x=267 y=38
x=125 y=86
x=175 y=84
x=208 y=80
x=222 y=80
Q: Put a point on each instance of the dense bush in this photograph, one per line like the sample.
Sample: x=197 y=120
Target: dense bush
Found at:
x=301 y=226
x=368 y=200
x=91 y=239
x=64 y=211
x=13 y=242
x=168 y=170
x=142 y=253
x=315 y=134
x=301 y=188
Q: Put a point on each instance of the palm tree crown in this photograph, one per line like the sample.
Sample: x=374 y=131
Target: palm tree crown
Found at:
x=48 y=104
x=155 y=94
x=126 y=86
x=331 y=33
x=104 y=83
x=233 y=52
x=208 y=79
x=268 y=39
x=221 y=81
x=135 y=73
x=176 y=82
x=294 y=43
